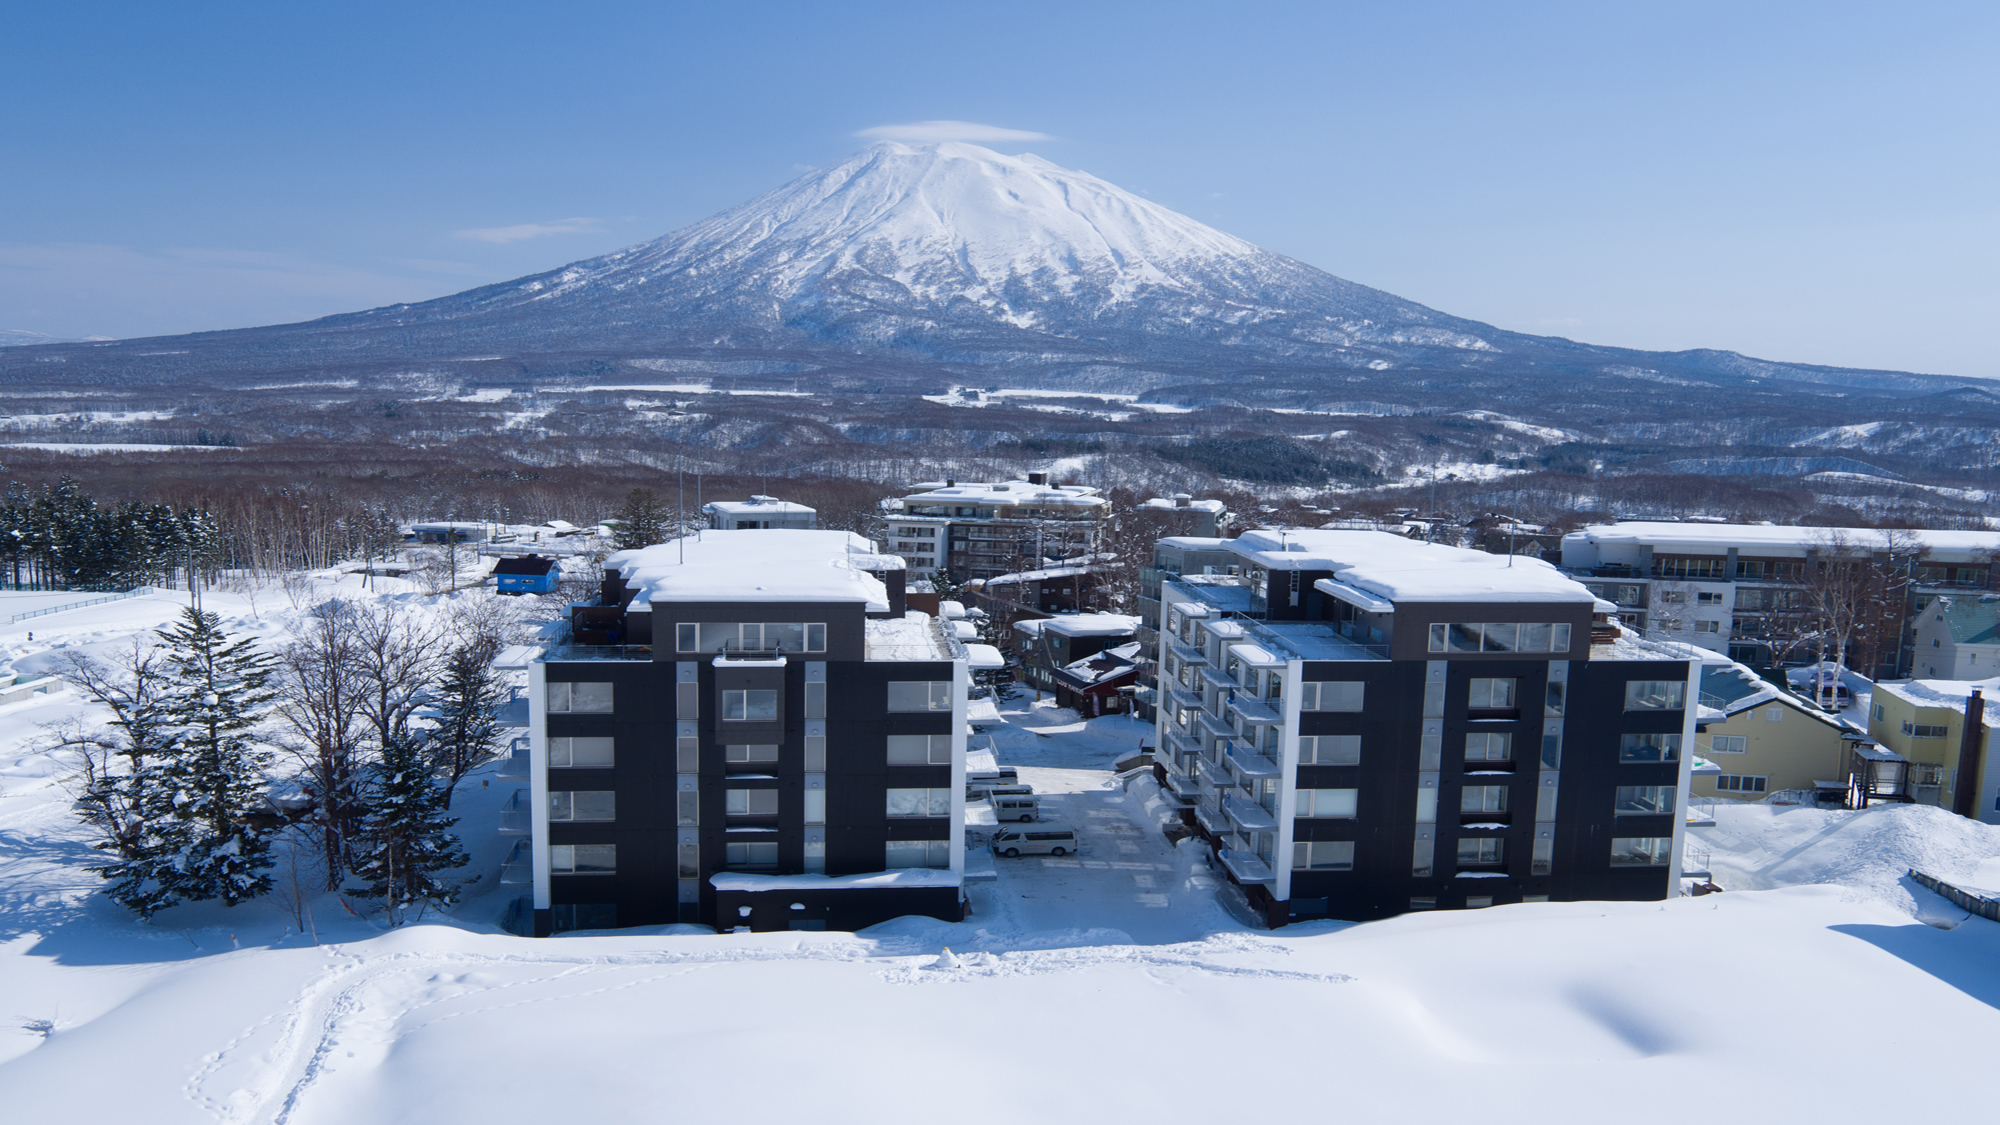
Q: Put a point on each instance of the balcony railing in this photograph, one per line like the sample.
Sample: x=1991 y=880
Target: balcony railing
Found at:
x=1254 y=710
x=1246 y=867
x=519 y=867
x=1249 y=763
x=516 y=766
x=517 y=816
x=1251 y=818
x=1211 y=818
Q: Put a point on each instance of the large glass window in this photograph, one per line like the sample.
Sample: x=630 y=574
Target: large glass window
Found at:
x=1492 y=693
x=1483 y=799
x=1634 y=748
x=920 y=695
x=897 y=854
x=575 y=805
x=1655 y=695
x=919 y=749
x=1332 y=695
x=750 y=802
x=583 y=859
x=750 y=636
x=1323 y=855
x=579 y=697
x=1481 y=851
x=753 y=705
x=1642 y=851
x=1329 y=750
x=750 y=854
x=753 y=754
x=1644 y=800
x=1501 y=636
x=1491 y=746
x=580 y=753
x=919 y=802
x=1327 y=802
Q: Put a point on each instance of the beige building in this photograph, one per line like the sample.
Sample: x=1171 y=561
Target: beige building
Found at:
x=1958 y=638
x=1762 y=738
x=1924 y=721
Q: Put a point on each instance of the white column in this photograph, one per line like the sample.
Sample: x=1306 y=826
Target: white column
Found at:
x=1288 y=784
x=538 y=778
x=1685 y=778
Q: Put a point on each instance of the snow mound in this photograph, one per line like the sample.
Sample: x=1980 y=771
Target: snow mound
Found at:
x=1868 y=852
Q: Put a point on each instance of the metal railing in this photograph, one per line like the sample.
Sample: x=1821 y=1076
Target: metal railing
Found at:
x=79 y=605
x=517 y=815
x=519 y=867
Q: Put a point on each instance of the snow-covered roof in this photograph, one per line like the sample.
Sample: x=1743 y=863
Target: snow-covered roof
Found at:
x=983 y=657
x=1972 y=621
x=951 y=609
x=1949 y=694
x=1176 y=504
x=1093 y=625
x=909 y=638
x=1012 y=492
x=778 y=565
x=1038 y=575
x=1719 y=538
x=901 y=877
x=766 y=505
x=1406 y=570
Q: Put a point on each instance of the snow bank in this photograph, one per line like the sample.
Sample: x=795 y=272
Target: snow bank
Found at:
x=1866 y=853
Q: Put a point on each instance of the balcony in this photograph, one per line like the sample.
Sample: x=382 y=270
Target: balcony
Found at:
x=1184 y=789
x=1215 y=678
x=1249 y=817
x=1246 y=868
x=1215 y=727
x=517 y=816
x=1254 y=710
x=1248 y=763
x=1701 y=812
x=1188 y=654
x=1211 y=818
x=1213 y=775
x=515 y=766
x=519 y=867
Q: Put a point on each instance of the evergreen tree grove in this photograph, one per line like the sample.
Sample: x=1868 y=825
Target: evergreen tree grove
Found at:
x=407 y=849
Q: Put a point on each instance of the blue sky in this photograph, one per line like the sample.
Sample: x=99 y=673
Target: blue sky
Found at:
x=1808 y=182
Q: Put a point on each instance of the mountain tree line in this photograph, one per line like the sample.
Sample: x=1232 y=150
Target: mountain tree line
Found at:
x=59 y=538
x=378 y=712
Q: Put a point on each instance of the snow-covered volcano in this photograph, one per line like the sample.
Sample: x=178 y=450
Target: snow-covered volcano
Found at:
x=919 y=245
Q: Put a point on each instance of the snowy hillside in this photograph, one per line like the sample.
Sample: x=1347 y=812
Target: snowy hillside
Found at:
x=1111 y=986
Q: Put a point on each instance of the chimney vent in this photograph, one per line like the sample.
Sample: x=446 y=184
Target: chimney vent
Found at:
x=1038 y=478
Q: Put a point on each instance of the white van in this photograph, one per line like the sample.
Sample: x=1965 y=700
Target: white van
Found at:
x=1016 y=842
x=1022 y=807
x=1005 y=775
x=978 y=789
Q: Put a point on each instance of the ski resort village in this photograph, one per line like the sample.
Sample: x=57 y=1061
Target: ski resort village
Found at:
x=720 y=812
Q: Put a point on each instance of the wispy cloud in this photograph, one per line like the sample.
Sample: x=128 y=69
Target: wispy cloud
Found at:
x=933 y=132
x=520 y=231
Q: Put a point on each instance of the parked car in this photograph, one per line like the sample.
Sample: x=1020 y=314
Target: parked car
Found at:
x=1017 y=842
x=1023 y=807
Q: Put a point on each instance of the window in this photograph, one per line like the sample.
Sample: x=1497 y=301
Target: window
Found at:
x=1427 y=804
x=1481 y=851
x=1505 y=636
x=1655 y=695
x=899 y=854
x=1738 y=783
x=1323 y=855
x=919 y=749
x=1688 y=568
x=1327 y=802
x=1489 y=747
x=750 y=636
x=1492 y=694
x=1483 y=799
x=583 y=916
x=815 y=806
x=756 y=754
x=1708 y=627
x=574 y=698
x=1730 y=744
x=1649 y=748
x=1433 y=700
x=1424 y=902
x=583 y=859
x=750 y=802
x=1927 y=773
x=1923 y=730
x=687 y=809
x=1673 y=597
x=1543 y=861
x=1641 y=851
x=1774 y=714
x=1708 y=597
x=754 y=705
x=919 y=802
x=580 y=753
x=1421 y=858
x=1330 y=750
x=746 y=854
x=1332 y=695
x=688 y=861
x=815 y=700
x=575 y=805
x=815 y=857
x=815 y=752
x=920 y=695
x=1478 y=902
x=1643 y=800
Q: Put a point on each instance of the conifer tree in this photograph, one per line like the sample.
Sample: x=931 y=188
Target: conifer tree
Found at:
x=210 y=783
x=642 y=522
x=406 y=849
x=468 y=700
x=120 y=796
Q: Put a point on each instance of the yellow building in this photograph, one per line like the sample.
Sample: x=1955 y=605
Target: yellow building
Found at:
x=1762 y=738
x=1924 y=721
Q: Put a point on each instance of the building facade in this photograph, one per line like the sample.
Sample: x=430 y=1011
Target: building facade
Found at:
x=1360 y=725
x=746 y=730
x=969 y=530
x=759 y=513
x=1762 y=739
x=1742 y=589
x=1948 y=760
x=1958 y=638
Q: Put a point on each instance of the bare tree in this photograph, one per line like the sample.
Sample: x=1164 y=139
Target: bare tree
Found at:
x=324 y=689
x=397 y=654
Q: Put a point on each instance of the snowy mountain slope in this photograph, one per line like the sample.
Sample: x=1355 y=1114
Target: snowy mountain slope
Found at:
x=908 y=260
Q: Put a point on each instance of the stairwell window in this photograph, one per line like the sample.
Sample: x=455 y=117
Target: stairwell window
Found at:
x=1489 y=747
x=744 y=855
x=1482 y=851
x=750 y=802
x=753 y=705
x=1483 y=799
x=750 y=756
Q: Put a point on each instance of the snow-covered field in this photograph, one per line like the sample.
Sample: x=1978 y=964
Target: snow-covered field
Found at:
x=1108 y=986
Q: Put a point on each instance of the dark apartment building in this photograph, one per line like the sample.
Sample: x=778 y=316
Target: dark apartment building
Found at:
x=1362 y=725
x=747 y=729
